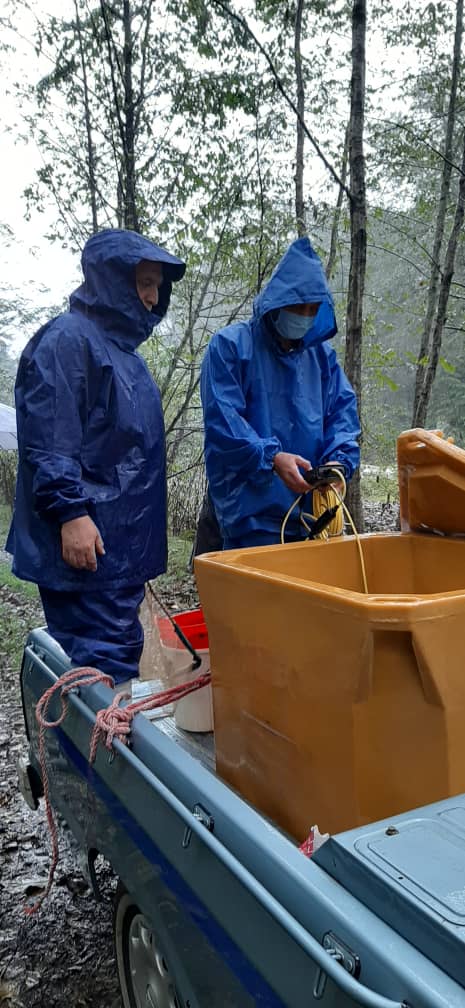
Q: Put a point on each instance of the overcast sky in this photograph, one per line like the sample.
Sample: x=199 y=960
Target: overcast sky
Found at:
x=40 y=271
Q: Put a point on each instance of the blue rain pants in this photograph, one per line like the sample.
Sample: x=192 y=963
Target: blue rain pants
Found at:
x=100 y=629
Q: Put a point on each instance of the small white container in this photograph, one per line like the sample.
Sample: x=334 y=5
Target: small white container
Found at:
x=195 y=711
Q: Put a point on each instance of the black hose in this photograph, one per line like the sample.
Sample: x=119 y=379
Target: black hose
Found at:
x=196 y=659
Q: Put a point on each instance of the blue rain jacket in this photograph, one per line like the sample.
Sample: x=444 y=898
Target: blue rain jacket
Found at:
x=90 y=426
x=259 y=399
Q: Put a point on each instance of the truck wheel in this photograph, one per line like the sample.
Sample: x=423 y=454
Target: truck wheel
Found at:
x=144 y=974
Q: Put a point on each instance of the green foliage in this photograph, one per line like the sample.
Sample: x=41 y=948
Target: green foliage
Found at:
x=378 y=362
x=381 y=485
x=179 y=551
x=25 y=588
x=8 y=468
x=5 y=518
x=17 y=623
x=447 y=366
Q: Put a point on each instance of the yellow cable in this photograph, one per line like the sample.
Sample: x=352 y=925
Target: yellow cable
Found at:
x=287 y=516
x=322 y=500
x=359 y=544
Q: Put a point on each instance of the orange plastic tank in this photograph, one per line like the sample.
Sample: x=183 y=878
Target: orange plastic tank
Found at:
x=333 y=706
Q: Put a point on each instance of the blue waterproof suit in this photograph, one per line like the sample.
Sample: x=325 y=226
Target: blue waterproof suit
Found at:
x=259 y=399
x=91 y=442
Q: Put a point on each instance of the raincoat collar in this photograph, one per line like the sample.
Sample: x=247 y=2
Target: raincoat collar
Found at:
x=109 y=260
x=298 y=278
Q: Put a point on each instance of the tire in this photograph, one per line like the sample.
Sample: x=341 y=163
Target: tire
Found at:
x=143 y=971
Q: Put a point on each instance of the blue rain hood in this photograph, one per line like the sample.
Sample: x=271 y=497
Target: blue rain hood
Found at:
x=109 y=261
x=259 y=399
x=299 y=279
x=90 y=425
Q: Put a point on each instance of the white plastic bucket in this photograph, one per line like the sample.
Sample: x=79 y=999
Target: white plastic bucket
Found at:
x=195 y=711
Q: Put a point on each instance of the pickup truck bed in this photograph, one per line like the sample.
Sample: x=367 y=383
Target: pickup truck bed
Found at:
x=235 y=912
x=199 y=745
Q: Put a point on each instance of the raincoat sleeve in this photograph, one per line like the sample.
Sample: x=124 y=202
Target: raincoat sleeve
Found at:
x=51 y=402
x=227 y=431
x=341 y=423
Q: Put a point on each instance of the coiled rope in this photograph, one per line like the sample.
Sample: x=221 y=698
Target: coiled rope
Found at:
x=112 y=722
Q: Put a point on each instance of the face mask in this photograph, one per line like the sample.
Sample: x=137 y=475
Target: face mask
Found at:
x=292 y=327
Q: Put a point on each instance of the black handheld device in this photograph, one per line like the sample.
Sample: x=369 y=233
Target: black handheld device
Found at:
x=322 y=475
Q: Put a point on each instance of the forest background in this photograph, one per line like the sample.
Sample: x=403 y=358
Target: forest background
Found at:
x=224 y=130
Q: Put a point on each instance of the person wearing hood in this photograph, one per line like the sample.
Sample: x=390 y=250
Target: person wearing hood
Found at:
x=276 y=403
x=89 y=524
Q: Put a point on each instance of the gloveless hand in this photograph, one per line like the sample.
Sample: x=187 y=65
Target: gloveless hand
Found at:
x=81 y=543
x=288 y=466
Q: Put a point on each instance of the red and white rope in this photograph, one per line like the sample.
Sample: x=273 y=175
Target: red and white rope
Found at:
x=112 y=722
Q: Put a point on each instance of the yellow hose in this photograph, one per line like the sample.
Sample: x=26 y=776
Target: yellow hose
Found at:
x=322 y=500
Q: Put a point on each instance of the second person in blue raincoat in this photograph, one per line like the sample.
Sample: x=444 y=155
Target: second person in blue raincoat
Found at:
x=276 y=402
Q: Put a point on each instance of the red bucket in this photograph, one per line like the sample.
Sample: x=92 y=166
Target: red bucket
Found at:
x=193 y=626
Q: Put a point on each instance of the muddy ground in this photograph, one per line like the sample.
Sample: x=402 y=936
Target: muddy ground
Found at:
x=63 y=956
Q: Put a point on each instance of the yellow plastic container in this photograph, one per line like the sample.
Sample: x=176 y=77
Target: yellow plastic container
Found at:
x=332 y=705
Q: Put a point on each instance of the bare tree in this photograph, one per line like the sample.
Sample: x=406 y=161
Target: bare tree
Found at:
x=299 y=156
x=358 y=229
x=241 y=20
x=424 y=372
x=338 y=208
x=125 y=101
x=443 y=299
x=88 y=124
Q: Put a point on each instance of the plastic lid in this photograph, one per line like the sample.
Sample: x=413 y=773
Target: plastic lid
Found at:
x=431 y=472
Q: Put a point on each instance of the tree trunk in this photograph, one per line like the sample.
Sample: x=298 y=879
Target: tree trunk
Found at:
x=130 y=211
x=338 y=208
x=353 y=354
x=90 y=145
x=423 y=383
x=121 y=67
x=443 y=299
x=299 y=157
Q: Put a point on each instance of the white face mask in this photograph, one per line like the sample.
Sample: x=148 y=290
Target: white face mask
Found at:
x=291 y=326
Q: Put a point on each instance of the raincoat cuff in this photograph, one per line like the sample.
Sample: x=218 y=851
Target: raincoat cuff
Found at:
x=270 y=449
x=69 y=512
x=342 y=461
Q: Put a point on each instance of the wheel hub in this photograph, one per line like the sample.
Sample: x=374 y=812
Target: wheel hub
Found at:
x=151 y=981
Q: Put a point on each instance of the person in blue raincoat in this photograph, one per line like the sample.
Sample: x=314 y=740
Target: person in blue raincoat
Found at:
x=275 y=403
x=89 y=524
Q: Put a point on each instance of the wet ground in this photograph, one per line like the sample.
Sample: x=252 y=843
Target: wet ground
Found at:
x=62 y=957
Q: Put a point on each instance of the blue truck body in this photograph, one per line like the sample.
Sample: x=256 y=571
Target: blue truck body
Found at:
x=375 y=919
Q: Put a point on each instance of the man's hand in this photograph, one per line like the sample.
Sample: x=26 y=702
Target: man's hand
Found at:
x=288 y=466
x=80 y=543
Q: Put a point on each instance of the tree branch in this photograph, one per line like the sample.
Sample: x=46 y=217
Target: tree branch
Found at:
x=243 y=23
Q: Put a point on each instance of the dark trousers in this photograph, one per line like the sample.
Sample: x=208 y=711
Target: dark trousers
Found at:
x=261 y=538
x=208 y=536
x=100 y=629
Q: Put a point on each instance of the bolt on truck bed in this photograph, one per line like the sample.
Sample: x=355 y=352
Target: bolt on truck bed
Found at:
x=216 y=908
